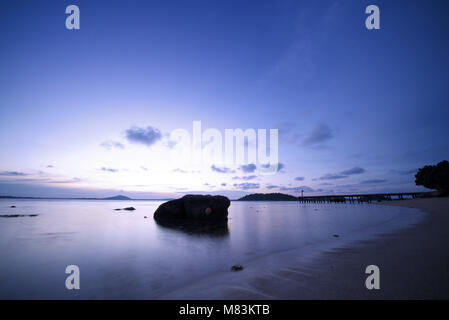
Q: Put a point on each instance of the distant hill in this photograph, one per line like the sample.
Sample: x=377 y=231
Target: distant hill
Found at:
x=268 y=197
x=120 y=197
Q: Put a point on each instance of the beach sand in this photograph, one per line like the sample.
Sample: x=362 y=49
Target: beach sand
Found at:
x=413 y=263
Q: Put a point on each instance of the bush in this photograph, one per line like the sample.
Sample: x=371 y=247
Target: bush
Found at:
x=434 y=177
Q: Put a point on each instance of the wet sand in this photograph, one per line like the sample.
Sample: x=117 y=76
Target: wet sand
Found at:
x=413 y=262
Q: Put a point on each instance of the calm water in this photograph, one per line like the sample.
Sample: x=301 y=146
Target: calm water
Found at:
x=123 y=255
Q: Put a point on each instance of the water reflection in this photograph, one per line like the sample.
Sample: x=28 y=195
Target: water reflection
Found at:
x=212 y=229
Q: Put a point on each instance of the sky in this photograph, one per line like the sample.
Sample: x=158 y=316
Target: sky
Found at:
x=91 y=112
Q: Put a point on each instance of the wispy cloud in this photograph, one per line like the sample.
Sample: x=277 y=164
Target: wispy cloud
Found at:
x=247 y=186
x=109 y=144
x=330 y=176
x=320 y=134
x=12 y=173
x=288 y=132
x=74 y=180
x=221 y=170
x=355 y=170
x=280 y=166
x=245 y=177
x=299 y=178
x=109 y=169
x=297 y=189
x=248 y=168
x=373 y=181
x=146 y=136
x=404 y=172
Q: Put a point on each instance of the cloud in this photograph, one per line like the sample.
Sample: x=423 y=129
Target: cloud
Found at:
x=373 y=181
x=404 y=172
x=221 y=170
x=271 y=186
x=223 y=184
x=109 y=144
x=319 y=134
x=332 y=177
x=246 y=185
x=299 y=178
x=143 y=168
x=109 y=169
x=12 y=173
x=245 y=178
x=179 y=170
x=146 y=136
x=279 y=168
x=325 y=184
x=50 y=166
x=288 y=133
x=355 y=170
x=248 y=168
x=297 y=189
x=74 y=180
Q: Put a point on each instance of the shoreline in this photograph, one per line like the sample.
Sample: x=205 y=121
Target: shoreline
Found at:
x=413 y=263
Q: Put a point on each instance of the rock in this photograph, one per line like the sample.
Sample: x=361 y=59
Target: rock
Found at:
x=145 y=217
x=336 y=235
x=237 y=267
x=127 y=209
x=17 y=215
x=203 y=208
x=12 y=206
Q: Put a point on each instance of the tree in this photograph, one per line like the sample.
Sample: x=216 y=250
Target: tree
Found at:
x=434 y=177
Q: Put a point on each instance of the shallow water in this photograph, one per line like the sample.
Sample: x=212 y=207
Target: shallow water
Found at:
x=122 y=254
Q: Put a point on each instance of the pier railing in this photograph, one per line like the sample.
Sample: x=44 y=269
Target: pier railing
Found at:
x=360 y=198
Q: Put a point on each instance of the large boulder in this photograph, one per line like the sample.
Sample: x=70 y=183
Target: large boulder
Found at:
x=204 y=208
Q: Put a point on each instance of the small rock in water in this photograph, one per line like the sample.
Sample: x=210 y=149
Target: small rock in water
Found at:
x=12 y=206
x=17 y=215
x=336 y=235
x=128 y=209
x=237 y=267
x=145 y=217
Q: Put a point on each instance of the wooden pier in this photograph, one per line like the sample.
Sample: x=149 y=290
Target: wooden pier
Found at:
x=361 y=198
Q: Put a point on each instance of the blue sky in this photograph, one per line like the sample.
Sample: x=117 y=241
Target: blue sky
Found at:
x=88 y=112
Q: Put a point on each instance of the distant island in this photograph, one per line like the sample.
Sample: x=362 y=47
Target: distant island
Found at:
x=268 y=197
x=119 y=197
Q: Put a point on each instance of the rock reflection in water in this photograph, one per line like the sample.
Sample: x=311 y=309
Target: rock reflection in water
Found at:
x=215 y=229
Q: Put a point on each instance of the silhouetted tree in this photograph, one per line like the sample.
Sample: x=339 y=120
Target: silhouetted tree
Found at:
x=434 y=177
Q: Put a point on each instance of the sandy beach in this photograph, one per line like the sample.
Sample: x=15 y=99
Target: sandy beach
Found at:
x=413 y=263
